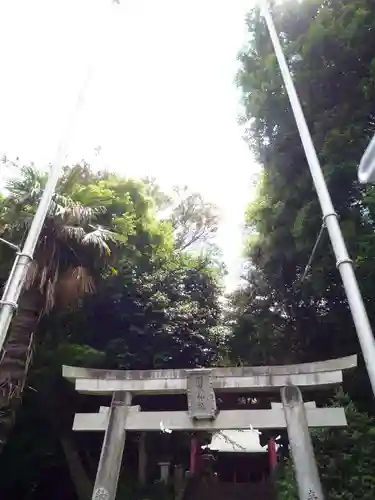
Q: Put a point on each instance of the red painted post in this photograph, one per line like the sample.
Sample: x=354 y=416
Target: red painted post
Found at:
x=272 y=455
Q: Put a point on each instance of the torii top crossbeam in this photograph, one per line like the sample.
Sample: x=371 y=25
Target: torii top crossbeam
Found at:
x=234 y=379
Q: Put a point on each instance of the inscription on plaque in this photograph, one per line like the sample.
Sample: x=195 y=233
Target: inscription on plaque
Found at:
x=201 y=396
x=101 y=494
x=312 y=495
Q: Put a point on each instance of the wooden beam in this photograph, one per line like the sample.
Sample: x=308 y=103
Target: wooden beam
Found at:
x=225 y=420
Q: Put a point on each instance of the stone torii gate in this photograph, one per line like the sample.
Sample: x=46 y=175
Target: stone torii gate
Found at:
x=202 y=414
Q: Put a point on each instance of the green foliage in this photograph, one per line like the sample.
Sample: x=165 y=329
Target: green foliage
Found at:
x=161 y=316
x=327 y=45
x=155 y=304
x=346 y=458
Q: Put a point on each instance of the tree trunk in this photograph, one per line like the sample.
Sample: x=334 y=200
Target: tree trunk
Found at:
x=16 y=358
x=81 y=481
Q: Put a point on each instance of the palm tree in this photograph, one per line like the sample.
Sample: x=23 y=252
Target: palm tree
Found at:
x=72 y=249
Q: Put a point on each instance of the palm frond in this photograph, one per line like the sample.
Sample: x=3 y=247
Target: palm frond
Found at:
x=81 y=214
x=72 y=232
x=50 y=294
x=43 y=278
x=72 y=178
x=71 y=212
x=28 y=187
x=110 y=235
x=99 y=237
x=31 y=275
x=69 y=225
x=96 y=239
x=50 y=290
x=74 y=283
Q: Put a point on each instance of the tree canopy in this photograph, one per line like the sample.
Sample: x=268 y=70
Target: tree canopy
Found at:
x=327 y=47
x=281 y=315
x=152 y=302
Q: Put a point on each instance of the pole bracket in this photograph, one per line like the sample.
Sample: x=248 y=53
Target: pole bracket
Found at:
x=330 y=214
x=348 y=260
x=25 y=254
x=10 y=303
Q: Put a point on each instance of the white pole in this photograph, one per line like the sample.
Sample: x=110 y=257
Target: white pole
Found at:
x=17 y=276
x=23 y=258
x=343 y=261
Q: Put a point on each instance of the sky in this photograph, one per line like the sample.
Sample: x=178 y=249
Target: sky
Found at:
x=160 y=98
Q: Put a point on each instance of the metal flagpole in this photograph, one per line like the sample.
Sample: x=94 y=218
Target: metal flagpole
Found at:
x=17 y=276
x=343 y=262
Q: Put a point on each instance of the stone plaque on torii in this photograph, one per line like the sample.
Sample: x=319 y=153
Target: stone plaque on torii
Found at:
x=200 y=394
x=200 y=385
